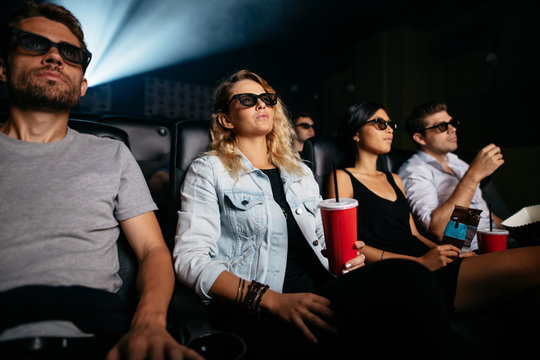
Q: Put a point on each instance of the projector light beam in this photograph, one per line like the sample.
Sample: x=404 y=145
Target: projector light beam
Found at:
x=128 y=37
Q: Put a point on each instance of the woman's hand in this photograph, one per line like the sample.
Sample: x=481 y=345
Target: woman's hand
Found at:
x=300 y=309
x=439 y=256
x=358 y=261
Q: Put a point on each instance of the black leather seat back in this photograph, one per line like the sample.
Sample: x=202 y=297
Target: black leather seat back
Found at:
x=322 y=152
x=150 y=140
x=99 y=130
x=392 y=161
x=191 y=138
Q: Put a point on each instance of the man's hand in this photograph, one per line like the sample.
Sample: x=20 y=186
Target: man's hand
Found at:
x=150 y=342
x=486 y=162
x=439 y=256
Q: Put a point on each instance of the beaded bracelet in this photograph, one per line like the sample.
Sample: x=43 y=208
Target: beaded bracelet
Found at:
x=257 y=309
x=252 y=300
x=250 y=296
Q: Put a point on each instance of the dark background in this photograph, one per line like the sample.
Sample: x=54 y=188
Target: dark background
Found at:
x=481 y=57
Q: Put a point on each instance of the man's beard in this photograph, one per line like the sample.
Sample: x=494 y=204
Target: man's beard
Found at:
x=28 y=92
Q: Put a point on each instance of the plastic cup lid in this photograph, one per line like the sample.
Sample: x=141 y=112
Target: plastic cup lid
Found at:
x=494 y=231
x=342 y=204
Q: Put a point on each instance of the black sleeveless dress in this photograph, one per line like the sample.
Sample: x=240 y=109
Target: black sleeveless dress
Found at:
x=384 y=224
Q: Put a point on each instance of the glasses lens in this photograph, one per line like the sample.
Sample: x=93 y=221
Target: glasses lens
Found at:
x=268 y=99
x=247 y=99
x=443 y=126
x=304 y=126
x=381 y=124
x=71 y=53
x=34 y=43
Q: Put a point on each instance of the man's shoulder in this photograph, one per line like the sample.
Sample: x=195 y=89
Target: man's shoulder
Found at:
x=455 y=159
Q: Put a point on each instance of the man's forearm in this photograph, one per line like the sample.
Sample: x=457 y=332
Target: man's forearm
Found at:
x=155 y=282
x=462 y=196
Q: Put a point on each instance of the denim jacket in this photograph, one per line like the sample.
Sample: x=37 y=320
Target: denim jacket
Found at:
x=233 y=225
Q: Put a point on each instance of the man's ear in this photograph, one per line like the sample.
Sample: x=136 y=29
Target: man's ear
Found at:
x=84 y=86
x=419 y=138
x=3 y=76
x=225 y=121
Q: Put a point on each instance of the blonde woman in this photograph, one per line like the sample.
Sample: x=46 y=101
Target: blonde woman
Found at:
x=250 y=240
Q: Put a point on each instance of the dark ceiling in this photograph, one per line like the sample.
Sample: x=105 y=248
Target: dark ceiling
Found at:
x=321 y=39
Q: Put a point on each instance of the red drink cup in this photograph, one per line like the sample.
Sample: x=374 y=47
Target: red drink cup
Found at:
x=339 y=224
x=491 y=240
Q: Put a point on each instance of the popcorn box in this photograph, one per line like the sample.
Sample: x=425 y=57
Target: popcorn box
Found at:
x=524 y=226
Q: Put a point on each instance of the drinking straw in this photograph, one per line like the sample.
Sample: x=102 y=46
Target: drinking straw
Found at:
x=335 y=181
x=490 y=219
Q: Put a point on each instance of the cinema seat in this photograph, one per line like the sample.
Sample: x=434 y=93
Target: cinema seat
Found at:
x=100 y=130
x=321 y=152
x=191 y=138
x=150 y=140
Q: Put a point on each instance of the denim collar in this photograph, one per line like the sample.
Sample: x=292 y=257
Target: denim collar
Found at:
x=286 y=176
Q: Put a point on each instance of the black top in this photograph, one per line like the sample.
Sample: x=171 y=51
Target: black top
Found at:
x=384 y=224
x=304 y=271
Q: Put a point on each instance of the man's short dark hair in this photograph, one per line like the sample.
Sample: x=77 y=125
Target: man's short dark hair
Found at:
x=415 y=121
x=47 y=10
x=299 y=115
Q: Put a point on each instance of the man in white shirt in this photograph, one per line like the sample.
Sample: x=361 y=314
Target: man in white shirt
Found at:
x=435 y=179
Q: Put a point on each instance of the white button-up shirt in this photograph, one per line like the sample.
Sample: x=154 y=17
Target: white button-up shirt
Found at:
x=428 y=185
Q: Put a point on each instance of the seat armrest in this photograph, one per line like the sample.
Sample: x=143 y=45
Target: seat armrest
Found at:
x=187 y=314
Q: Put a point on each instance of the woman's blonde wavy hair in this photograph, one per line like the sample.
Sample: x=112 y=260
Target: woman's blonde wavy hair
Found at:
x=278 y=141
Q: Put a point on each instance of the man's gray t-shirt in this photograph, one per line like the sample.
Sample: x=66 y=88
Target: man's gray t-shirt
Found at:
x=60 y=208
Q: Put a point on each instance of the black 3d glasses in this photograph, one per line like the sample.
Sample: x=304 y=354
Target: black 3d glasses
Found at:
x=250 y=100
x=305 y=126
x=443 y=126
x=381 y=124
x=39 y=44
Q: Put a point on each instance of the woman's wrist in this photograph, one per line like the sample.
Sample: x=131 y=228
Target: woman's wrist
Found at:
x=249 y=296
x=269 y=300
